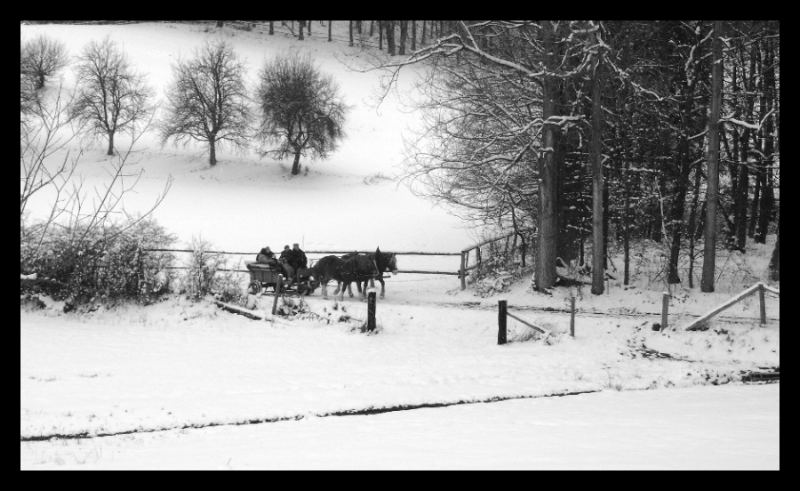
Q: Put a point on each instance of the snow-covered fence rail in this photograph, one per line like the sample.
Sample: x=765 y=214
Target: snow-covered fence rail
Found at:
x=510 y=248
x=761 y=288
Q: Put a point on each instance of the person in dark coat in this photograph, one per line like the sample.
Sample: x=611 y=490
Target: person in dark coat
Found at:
x=286 y=262
x=266 y=256
x=298 y=258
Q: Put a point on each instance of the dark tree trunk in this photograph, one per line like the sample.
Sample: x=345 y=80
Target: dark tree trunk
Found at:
x=709 y=250
x=775 y=261
x=677 y=210
x=308 y=23
x=371 y=28
x=330 y=28
x=296 y=164
x=380 y=34
x=751 y=227
x=302 y=24
x=598 y=215
x=271 y=28
x=413 y=35
x=350 y=29
x=692 y=225
x=390 y=37
x=403 y=36
x=219 y=23
x=422 y=36
x=767 y=195
x=548 y=224
x=358 y=27
x=212 y=152
x=110 y=143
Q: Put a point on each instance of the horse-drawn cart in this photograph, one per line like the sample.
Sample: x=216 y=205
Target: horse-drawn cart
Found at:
x=264 y=276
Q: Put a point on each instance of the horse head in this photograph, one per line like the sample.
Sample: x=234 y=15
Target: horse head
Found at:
x=386 y=261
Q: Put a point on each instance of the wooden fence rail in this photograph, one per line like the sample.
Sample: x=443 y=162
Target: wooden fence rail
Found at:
x=759 y=288
x=503 y=313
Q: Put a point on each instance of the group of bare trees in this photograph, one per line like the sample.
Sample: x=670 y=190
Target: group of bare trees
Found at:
x=300 y=109
x=580 y=126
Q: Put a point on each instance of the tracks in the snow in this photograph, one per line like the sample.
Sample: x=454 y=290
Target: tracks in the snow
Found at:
x=367 y=411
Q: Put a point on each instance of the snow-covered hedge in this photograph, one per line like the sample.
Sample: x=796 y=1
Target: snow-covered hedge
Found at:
x=101 y=264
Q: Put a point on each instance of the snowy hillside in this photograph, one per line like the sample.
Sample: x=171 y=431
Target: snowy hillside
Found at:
x=349 y=201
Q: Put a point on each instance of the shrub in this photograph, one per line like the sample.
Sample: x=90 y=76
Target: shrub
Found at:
x=203 y=266
x=108 y=263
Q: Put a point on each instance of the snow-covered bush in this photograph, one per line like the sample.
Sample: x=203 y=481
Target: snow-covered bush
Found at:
x=203 y=265
x=82 y=265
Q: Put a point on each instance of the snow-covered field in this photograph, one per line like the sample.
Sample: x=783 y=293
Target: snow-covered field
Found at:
x=178 y=364
x=729 y=427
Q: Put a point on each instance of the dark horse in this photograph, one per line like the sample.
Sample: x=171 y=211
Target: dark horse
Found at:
x=353 y=267
x=362 y=268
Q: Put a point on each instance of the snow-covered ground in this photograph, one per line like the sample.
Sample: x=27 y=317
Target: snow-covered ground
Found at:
x=730 y=427
x=177 y=363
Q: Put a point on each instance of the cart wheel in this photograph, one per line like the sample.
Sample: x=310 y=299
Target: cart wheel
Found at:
x=254 y=288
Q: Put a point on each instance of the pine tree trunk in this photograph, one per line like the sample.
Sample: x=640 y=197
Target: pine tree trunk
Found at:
x=766 y=206
x=598 y=236
x=308 y=23
x=712 y=194
x=358 y=27
x=422 y=37
x=403 y=36
x=330 y=29
x=271 y=28
x=548 y=225
x=775 y=261
x=302 y=24
x=692 y=225
x=751 y=230
x=380 y=35
x=296 y=164
x=350 y=29
x=390 y=37
x=413 y=35
x=371 y=28
x=110 y=143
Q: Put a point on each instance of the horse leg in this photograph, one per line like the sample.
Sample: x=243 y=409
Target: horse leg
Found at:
x=324 y=284
x=350 y=288
x=383 y=287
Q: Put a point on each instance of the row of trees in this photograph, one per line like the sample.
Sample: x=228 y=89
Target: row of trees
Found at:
x=301 y=110
x=578 y=127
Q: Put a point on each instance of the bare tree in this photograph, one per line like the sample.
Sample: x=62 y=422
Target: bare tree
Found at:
x=41 y=58
x=111 y=96
x=301 y=109
x=48 y=161
x=207 y=101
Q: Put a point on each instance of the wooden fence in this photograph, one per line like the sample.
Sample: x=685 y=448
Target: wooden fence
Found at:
x=511 y=248
x=503 y=313
x=759 y=288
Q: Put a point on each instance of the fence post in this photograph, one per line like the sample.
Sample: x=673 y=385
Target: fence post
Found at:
x=572 y=316
x=462 y=271
x=664 y=311
x=762 y=304
x=501 y=321
x=278 y=289
x=371 y=311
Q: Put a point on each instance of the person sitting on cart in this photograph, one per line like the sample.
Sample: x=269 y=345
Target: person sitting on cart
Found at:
x=266 y=256
x=286 y=262
x=297 y=259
